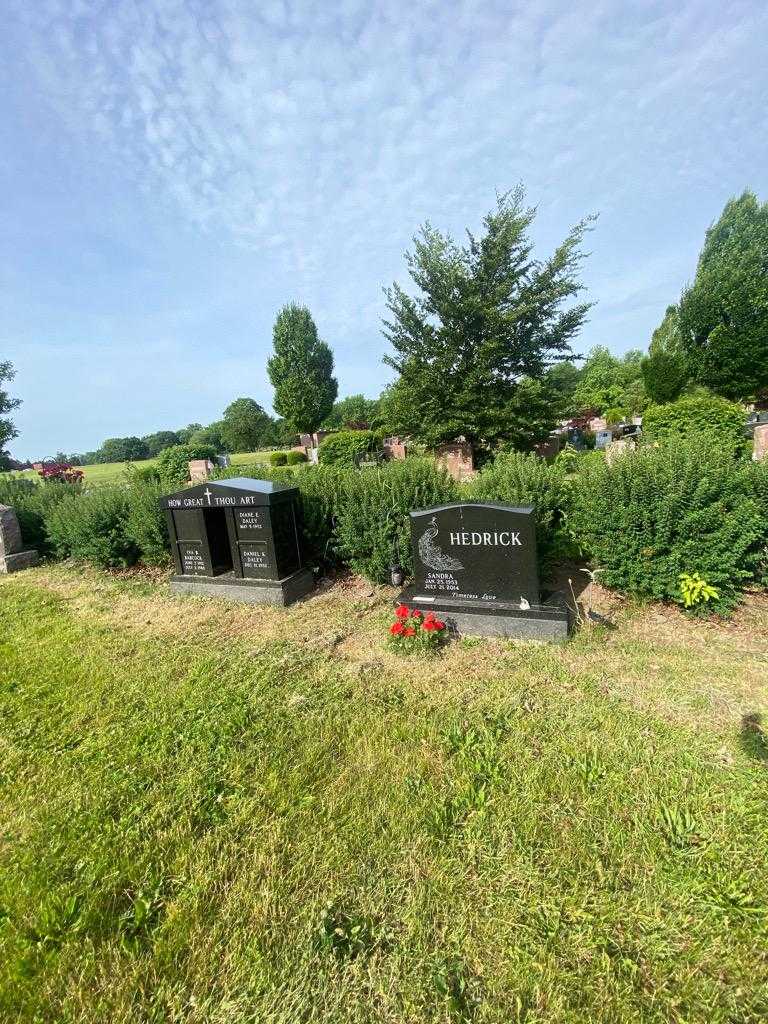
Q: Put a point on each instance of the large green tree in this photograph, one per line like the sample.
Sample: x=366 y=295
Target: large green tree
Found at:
x=244 y=425
x=123 y=449
x=610 y=382
x=724 y=314
x=666 y=371
x=7 y=404
x=160 y=440
x=301 y=370
x=487 y=316
x=352 y=409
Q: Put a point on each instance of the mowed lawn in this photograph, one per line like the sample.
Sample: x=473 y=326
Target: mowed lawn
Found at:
x=219 y=813
x=113 y=472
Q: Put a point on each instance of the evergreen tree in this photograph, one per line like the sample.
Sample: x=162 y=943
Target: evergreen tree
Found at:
x=301 y=370
x=486 y=317
x=665 y=369
x=7 y=404
x=724 y=314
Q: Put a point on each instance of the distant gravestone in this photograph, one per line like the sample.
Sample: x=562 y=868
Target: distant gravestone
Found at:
x=476 y=566
x=760 y=442
x=603 y=438
x=237 y=538
x=13 y=557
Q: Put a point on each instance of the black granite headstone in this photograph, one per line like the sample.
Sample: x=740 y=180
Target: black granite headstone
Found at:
x=476 y=565
x=237 y=538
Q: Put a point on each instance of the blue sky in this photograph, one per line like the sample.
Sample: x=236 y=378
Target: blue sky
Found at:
x=173 y=171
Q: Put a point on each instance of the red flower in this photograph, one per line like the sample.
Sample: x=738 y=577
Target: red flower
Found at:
x=416 y=614
x=396 y=628
x=401 y=612
x=410 y=631
x=439 y=625
x=429 y=625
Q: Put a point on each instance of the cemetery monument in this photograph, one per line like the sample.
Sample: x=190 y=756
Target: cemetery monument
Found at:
x=13 y=557
x=475 y=565
x=239 y=539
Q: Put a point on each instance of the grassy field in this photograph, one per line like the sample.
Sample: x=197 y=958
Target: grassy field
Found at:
x=112 y=472
x=216 y=813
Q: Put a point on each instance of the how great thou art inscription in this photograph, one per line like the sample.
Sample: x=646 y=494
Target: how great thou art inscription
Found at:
x=476 y=553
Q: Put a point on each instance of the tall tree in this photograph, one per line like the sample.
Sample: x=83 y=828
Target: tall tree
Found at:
x=352 y=409
x=724 y=314
x=7 y=404
x=487 y=316
x=244 y=425
x=301 y=370
x=123 y=449
x=161 y=439
x=610 y=382
x=665 y=369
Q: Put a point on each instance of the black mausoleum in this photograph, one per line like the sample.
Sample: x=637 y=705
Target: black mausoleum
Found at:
x=475 y=565
x=239 y=539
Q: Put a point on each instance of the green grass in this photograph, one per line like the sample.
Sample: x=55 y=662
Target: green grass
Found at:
x=215 y=813
x=112 y=472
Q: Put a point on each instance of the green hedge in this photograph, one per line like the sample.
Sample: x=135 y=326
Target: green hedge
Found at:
x=172 y=464
x=678 y=508
x=33 y=501
x=518 y=479
x=696 y=416
x=372 y=517
x=145 y=522
x=295 y=458
x=91 y=527
x=346 y=447
x=278 y=458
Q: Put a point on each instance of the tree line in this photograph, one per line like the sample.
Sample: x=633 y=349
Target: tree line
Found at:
x=482 y=345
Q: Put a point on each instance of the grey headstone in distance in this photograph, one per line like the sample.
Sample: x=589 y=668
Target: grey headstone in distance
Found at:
x=12 y=556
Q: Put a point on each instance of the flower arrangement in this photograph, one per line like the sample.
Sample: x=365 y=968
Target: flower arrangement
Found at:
x=60 y=471
x=414 y=631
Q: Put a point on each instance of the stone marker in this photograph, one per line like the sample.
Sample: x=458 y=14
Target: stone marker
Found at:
x=457 y=459
x=475 y=565
x=603 y=438
x=760 y=442
x=13 y=557
x=238 y=539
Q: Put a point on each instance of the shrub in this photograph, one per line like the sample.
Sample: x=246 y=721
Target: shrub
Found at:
x=278 y=458
x=346 y=447
x=760 y=481
x=32 y=502
x=172 y=464
x=295 y=458
x=614 y=415
x=91 y=527
x=696 y=415
x=372 y=520
x=145 y=524
x=660 y=512
x=518 y=479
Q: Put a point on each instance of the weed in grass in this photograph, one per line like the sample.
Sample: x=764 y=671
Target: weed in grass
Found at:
x=680 y=829
x=458 y=988
x=346 y=934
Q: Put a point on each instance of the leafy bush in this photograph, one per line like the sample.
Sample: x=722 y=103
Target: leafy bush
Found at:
x=760 y=481
x=660 y=512
x=695 y=416
x=278 y=458
x=173 y=463
x=323 y=490
x=372 y=519
x=32 y=502
x=517 y=479
x=145 y=523
x=295 y=458
x=91 y=527
x=614 y=415
x=347 y=446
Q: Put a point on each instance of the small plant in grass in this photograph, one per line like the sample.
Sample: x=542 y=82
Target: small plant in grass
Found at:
x=346 y=935
x=413 y=632
x=695 y=591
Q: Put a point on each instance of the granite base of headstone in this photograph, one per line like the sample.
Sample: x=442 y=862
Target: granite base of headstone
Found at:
x=13 y=557
x=237 y=539
x=476 y=567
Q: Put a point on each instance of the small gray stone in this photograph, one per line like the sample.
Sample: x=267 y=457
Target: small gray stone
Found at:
x=10 y=532
x=15 y=563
